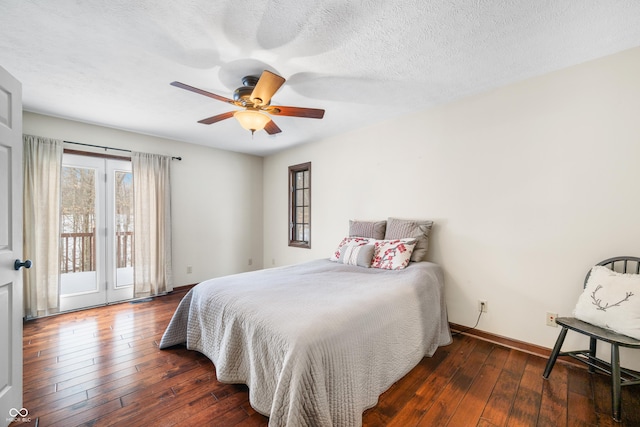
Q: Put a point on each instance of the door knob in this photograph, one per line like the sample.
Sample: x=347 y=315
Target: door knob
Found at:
x=19 y=263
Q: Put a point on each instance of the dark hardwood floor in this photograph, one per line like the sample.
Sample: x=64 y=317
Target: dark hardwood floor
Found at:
x=102 y=367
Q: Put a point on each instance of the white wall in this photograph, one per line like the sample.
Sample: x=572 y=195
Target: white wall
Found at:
x=216 y=197
x=529 y=185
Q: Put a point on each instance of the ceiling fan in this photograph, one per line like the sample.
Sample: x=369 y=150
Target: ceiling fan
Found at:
x=255 y=97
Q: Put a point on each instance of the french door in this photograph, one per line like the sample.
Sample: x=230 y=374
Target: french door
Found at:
x=96 y=237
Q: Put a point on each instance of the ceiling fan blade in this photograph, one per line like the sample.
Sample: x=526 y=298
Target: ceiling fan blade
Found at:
x=310 y=113
x=202 y=92
x=214 y=119
x=267 y=85
x=271 y=128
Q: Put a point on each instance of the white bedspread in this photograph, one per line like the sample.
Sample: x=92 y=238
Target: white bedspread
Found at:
x=317 y=342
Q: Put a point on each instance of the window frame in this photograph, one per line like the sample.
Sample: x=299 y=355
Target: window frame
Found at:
x=293 y=204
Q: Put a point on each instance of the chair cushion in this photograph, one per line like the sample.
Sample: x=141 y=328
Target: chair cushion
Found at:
x=611 y=300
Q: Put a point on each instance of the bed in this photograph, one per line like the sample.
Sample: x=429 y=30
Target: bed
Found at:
x=317 y=342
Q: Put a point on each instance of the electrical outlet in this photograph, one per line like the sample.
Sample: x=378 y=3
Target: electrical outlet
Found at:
x=483 y=306
x=551 y=319
x=189 y=269
x=250 y=261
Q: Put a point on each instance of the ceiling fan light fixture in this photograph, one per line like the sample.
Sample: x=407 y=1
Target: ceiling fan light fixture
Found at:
x=255 y=99
x=251 y=119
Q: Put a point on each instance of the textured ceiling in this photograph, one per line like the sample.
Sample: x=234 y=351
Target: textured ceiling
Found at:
x=110 y=62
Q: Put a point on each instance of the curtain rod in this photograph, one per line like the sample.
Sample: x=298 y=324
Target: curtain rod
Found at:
x=109 y=148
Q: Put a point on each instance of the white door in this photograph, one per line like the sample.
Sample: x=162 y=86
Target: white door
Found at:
x=96 y=237
x=11 y=309
x=119 y=218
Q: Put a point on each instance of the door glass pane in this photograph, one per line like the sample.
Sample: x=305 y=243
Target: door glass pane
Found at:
x=78 y=231
x=123 y=185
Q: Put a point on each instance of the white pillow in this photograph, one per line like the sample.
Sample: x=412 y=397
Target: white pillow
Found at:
x=392 y=254
x=611 y=300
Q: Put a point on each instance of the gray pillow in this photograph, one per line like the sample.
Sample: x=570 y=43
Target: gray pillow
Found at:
x=371 y=229
x=411 y=228
x=357 y=255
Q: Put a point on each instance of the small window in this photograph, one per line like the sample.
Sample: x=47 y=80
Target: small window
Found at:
x=300 y=205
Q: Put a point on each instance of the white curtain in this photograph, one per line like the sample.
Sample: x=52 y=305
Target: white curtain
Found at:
x=42 y=170
x=152 y=229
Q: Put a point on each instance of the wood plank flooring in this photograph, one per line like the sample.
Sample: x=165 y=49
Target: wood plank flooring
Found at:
x=102 y=367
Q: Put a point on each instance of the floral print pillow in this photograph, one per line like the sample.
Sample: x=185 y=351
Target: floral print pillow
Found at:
x=392 y=254
x=349 y=241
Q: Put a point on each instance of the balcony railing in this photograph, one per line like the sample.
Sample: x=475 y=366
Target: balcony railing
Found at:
x=78 y=251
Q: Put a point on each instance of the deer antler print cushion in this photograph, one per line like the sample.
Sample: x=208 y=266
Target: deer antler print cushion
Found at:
x=611 y=300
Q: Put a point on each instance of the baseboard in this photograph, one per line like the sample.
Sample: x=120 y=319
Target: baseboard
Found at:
x=525 y=347
x=183 y=288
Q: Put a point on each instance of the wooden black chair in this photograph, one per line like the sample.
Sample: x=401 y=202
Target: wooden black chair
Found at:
x=619 y=376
